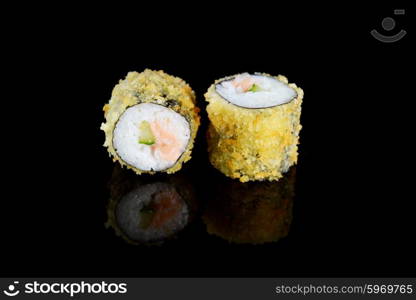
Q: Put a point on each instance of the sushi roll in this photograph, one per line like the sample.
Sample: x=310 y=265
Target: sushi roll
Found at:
x=149 y=211
x=254 y=125
x=253 y=212
x=151 y=122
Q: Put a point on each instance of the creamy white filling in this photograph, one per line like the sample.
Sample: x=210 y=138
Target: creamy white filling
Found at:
x=168 y=146
x=267 y=92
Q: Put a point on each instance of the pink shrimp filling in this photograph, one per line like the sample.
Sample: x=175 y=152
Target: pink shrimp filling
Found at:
x=243 y=83
x=166 y=145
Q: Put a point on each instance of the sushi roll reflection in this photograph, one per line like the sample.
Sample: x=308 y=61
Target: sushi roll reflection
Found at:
x=254 y=125
x=149 y=211
x=151 y=122
x=251 y=213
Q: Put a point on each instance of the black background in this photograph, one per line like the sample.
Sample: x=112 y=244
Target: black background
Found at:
x=354 y=210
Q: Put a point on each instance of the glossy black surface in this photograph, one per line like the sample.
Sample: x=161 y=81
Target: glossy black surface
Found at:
x=352 y=210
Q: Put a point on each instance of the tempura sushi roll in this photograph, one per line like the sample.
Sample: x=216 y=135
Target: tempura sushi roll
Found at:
x=149 y=211
x=151 y=122
x=253 y=212
x=254 y=125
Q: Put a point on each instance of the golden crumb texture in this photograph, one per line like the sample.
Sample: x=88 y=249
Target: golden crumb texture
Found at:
x=253 y=144
x=151 y=87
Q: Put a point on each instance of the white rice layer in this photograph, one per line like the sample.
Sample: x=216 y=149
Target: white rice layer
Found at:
x=150 y=157
x=270 y=91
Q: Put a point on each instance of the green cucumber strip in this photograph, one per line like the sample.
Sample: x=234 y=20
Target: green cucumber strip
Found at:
x=146 y=136
x=254 y=88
